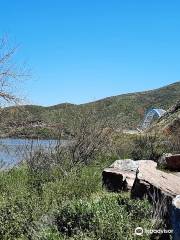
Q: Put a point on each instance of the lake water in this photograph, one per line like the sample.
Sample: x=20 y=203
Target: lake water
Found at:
x=13 y=150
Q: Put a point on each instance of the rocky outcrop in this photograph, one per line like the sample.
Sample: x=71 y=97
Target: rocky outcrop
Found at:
x=170 y=161
x=142 y=176
x=173 y=162
x=171 y=110
x=161 y=188
x=121 y=174
x=149 y=179
x=144 y=180
x=175 y=108
x=175 y=217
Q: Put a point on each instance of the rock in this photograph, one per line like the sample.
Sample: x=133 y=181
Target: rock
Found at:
x=175 y=107
x=175 y=217
x=121 y=174
x=162 y=159
x=150 y=180
x=116 y=180
x=170 y=161
x=171 y=110
x=173 y=162
x=161 y=189
x=176 y=173
x=126 y=165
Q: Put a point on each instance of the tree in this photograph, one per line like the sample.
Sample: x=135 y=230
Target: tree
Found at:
x=10 y=73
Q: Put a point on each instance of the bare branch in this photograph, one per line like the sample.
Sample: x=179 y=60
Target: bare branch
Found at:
x=10 y=73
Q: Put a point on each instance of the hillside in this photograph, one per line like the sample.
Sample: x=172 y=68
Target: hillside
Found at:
x=170 y=122
x=122 y=111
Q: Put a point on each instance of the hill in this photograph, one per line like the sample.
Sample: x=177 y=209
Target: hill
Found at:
x=169 y=123
x=122 y=111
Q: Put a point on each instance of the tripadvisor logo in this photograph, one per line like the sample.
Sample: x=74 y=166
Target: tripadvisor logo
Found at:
x=138 y=231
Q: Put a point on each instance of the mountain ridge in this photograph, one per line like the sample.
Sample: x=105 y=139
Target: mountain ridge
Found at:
x=123 y=111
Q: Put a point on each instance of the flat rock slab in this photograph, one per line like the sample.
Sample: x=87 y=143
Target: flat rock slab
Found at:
x=162 y=189
x=148 y=178
x=121 y=174
x=176 y=173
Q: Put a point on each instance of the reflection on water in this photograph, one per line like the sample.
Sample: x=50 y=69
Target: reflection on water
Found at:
x=13 y=150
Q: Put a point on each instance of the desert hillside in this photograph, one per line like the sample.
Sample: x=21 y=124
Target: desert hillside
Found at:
x=123 y=112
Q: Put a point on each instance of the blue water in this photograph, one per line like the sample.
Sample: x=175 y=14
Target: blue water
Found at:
x=13 y=151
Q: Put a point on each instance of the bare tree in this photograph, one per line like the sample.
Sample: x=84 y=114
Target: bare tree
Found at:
x=10 y=73
x=90 y=138
x=11 y=76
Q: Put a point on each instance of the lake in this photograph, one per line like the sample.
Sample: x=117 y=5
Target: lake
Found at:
x=14 y=150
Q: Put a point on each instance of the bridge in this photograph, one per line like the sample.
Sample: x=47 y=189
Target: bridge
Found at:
x=150 y=116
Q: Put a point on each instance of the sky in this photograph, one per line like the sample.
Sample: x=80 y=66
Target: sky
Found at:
x=80 y=51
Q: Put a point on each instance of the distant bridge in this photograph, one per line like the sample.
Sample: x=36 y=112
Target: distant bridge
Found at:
x=150 y=116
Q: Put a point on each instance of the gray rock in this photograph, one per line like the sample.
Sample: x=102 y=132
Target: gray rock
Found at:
x=125 y=165
x=149 y=178
x=161 y=189
x=162 y=159
x=121 y=174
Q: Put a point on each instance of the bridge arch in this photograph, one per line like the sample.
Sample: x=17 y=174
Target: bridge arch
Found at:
x=151 y=115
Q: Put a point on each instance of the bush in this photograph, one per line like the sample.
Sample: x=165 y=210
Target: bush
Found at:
x=107 y=216
x=147 y=147
x=15 y=219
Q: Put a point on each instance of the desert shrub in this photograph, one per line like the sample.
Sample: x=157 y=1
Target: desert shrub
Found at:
x=44 y=185
x=148 y=146
x=107 y=216
x=89 y=135
x=16 y=218
x=123 y=145
x=173 y=142
x=82 y=182
x=39 y=170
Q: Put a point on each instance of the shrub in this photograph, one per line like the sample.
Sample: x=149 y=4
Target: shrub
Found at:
x=15 y=219
x=107 y=216
x=39 y=170
x=147 y=147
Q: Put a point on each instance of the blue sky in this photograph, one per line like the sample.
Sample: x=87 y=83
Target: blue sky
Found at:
x=83 y=50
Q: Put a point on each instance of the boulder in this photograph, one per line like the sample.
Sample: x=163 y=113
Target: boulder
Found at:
x=170 y=161
x=175 y=217
x=150 y=180
x=173 y=162
x=161 y=189
x=121 y=174
x=162 y=159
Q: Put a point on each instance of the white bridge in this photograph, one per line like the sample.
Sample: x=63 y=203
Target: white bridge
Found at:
x=150 y=116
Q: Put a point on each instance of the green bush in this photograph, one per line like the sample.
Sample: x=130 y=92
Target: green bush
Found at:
x=106 y=216
x=75 y=204
x=15 y=219
x=147 y=147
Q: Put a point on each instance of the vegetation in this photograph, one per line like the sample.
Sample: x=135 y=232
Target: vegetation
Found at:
x=71 y=206
x=57 y=193
x=120 y=112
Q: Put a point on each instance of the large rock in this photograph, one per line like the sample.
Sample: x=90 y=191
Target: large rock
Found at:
x=121 y=174
x=162 y=159
x=173 y=162
x=161 y=188
x=149 y=179
x=170 y=161
x=175 y=217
